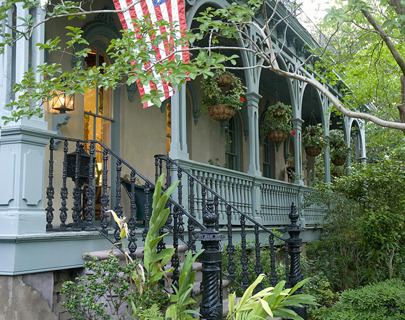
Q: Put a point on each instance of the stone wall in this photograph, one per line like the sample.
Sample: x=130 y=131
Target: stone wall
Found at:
x=34 y=296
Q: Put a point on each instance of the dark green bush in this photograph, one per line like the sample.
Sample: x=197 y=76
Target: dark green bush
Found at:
x=384 y=300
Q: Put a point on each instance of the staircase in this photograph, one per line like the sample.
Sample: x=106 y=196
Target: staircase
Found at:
x=194 y=222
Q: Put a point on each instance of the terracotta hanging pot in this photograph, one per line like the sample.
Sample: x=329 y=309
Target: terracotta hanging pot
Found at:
x=221 y=112
x=224 y=80
x=277 y=136
x=339 y=161
x=313 y=152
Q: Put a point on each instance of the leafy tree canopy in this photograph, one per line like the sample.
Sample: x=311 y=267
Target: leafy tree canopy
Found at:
x=367 y=51
x=235 y=21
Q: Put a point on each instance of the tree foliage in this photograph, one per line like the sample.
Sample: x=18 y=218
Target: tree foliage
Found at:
x=206 y=43
x=364 y=235
x=367 y=51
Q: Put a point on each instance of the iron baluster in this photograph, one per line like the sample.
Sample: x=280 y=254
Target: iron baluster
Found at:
x=180 y=224
x=230 y=249
x=175 y=258
x=273 y=274
x=190 y=224
x=90 y=189
x=160 y=167
x=132 y=220
x=104 y=199
x=118 y=207
x=64 y=190
x=211 y=305
x=244 y=256
x=77 y=192
x=157 y=160
x=221 y=286
x=203 y=200
x=258 y=267
x=146 y=190
x=216 y=211
x=50 y=191
x=168 y=175
x=168 y=204
x=180 y=187
x=294 y=245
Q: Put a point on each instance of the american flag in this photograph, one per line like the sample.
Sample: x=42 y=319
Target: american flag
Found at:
x=172 y=11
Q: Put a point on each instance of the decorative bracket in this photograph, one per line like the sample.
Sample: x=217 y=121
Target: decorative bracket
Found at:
x=131 y=90
x=58 y=120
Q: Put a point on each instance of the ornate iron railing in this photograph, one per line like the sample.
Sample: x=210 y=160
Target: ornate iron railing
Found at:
x=197 y=192
x=91 y=183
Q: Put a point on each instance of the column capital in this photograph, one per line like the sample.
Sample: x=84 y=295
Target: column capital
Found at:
x=297 y=121
x=253 y=97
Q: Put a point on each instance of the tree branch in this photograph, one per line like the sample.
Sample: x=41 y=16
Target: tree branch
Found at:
x=396 y=55
x=335 y=101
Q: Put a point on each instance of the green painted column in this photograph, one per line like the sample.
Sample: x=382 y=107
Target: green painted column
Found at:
x=22 y=146
x=22 y=163
x=326 y=155
x=297 y=126
x=253 y=99
x=178 y=144
x=326 y=159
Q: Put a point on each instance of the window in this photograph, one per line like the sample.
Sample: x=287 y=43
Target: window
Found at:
x=232 y=156
x=268 y=159
x=98 y=119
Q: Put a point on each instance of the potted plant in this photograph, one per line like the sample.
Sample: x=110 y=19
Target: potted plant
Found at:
x=277 y=122
x=223 y=95
x=338 y=147
x=314 y=140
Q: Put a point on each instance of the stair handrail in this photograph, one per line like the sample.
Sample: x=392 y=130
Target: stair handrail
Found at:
x=170 y=200
x=175 y=163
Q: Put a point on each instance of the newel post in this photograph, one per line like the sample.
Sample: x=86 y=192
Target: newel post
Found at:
x=211 y=305
x=294 y=250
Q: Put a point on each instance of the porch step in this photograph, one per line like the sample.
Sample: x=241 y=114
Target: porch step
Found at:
x=105 y=254
x=197 y=266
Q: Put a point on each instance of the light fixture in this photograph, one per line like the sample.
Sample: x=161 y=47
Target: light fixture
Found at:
x=62 y=102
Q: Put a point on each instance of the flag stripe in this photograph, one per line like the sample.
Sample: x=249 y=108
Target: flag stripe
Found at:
x=148 y=8
x=172 y=11
x=183 y=27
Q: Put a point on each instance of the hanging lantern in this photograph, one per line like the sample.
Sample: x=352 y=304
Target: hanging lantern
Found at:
x=62 y=102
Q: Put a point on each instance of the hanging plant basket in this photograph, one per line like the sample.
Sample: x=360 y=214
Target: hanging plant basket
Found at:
x=277 y=136
x=313 y=151
x=224 y=80
x=336 y=174
x=278 y=112
x=339 y=161
x=221 y=112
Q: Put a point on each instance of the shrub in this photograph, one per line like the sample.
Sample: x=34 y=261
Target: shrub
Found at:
x=105 y=291
x=384 y=300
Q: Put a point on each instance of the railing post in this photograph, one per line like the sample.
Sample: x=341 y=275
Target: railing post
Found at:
x=294 y=250
x=211 y=258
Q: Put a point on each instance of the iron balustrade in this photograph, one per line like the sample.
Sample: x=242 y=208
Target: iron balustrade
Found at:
x=208 y=200
x=86 y=197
